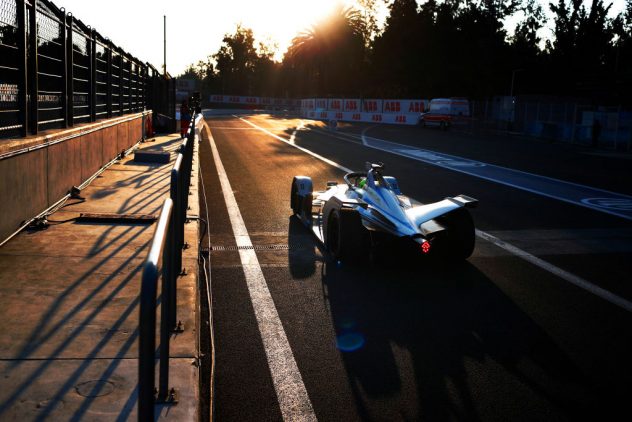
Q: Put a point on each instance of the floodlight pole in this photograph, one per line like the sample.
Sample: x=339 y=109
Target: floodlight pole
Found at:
x=164 y=66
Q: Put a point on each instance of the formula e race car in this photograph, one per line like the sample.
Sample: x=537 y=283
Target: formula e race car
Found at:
x=367 y=216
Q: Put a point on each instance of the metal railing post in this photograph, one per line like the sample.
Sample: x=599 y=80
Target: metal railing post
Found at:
x=129 y=84
x=108 y=66
x=33 y=69
x=145 y=73
x=120 y=85
x=161 y=245
x=137 y=86
x=70 y=87
x=22 y=68
x=178 y=236
x=64 y=68
x=166 y=310
x=92 y=59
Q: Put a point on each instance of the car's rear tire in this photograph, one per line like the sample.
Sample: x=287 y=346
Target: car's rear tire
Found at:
x=460 y=234
x=347 y=239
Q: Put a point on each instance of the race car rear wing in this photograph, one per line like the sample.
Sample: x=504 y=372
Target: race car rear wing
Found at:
x=464 y=201
x=426 y=212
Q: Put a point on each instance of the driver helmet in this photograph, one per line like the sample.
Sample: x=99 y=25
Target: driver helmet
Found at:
x=362 y=183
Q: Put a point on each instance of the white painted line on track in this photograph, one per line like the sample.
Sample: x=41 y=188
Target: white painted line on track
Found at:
x=363 y=134
x=290 y=390
x=299 y=127
x=306 y=151
x=620 y=204
x=233 y=128
x=564 y=275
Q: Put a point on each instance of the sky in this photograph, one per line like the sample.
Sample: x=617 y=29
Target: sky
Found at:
x=195 y=28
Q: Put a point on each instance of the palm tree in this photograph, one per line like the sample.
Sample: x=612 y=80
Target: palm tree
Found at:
x=328 y=56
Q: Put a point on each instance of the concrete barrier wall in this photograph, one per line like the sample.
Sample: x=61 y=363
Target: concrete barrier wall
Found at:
x=67 y=172
x=392 y=118
x=36 y=172
x=23 y=189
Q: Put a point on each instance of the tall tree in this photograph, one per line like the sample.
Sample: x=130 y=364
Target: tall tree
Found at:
x=329 y=56
x=621 y=55
x=581 y=44
x=236 y=61
x=396 y=59
x=527 y=57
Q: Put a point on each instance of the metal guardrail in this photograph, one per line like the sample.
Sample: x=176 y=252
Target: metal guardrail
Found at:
x=160 y=248
x=168 y=243
x=56 y=71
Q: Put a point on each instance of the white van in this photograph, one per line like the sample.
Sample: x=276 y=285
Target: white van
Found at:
x=444 y=112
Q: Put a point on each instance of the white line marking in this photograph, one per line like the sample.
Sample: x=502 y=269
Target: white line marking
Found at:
x=564 y=275
x=363 y=134
x=443 y=164
x=299 y=127
x=456 y=157
x=306 y=151
x=232 y=128
x=288 y=383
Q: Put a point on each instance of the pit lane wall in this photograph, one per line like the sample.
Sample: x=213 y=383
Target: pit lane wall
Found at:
x=37 y=171
x=392 y=111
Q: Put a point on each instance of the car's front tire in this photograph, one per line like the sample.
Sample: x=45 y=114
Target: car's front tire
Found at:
x=294 y=200
x=301 y=195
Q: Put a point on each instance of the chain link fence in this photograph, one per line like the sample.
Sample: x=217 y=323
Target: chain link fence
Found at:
x=55 y=71
x=554 y=119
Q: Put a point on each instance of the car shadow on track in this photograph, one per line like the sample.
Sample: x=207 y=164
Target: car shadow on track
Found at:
x=437 y=343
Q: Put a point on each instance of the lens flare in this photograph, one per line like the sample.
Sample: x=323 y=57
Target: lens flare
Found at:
x=350 y=342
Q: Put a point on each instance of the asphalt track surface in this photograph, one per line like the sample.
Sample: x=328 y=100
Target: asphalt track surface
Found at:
x=497 y=338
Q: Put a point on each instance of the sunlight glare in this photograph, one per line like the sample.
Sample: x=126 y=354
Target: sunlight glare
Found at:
x=279 y=21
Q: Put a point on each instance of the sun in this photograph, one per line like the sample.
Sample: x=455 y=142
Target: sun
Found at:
x=279 y=21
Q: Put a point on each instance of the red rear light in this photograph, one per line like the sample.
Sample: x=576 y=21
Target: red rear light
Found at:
x=425 y=247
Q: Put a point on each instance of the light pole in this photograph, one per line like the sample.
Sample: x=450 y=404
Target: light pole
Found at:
x=164 y=66
x=513 y=78
x=511 y=96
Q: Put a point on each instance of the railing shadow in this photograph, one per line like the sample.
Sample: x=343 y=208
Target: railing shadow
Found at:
x=39 y=341
x=43 y=331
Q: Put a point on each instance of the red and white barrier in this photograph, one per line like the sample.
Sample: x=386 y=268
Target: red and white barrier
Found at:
x=405 y=106
x=391 y=111
x=392 y=118
x=335 y=104
x=372 y=106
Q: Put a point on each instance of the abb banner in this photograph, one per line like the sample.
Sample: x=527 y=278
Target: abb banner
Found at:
x=393 y=118
x=234 y=99
x=307 y=104
x=352 y=105
x=321 y=103
x=404 y=106
x=335 y=105
x=372 y=106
